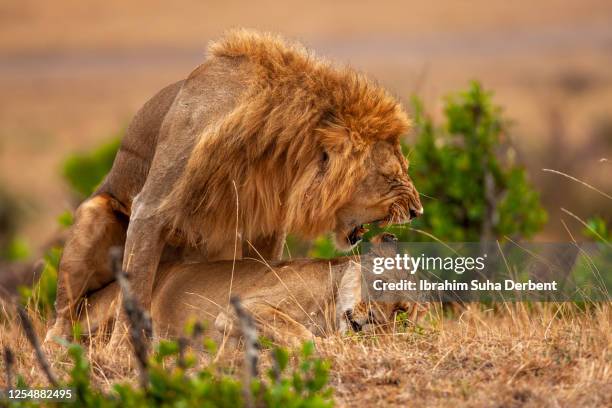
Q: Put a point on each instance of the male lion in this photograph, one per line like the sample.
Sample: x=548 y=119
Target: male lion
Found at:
x=291 y=301
x=260 y=140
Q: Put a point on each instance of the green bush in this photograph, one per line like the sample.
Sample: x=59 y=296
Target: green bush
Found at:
x=16 y=250
x=592 y=272
x=85 y=171
x=174 y=382
x=598 y=230
x=41 y=297
x=12 y=248
x=466 y=166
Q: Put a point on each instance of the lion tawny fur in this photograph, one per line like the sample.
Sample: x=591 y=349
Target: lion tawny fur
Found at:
x=258 y=161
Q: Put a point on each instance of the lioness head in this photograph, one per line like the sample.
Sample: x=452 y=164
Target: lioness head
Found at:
x=360 y=313
x=366 y=316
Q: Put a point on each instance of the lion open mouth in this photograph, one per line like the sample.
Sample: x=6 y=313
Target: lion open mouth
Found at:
x=356 y=234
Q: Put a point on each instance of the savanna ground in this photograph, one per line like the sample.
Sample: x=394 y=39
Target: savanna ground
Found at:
x=541 y=355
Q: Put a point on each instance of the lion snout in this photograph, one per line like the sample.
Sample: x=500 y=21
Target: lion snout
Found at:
x=413 y=203
x=405 y=210
x=415 y=212
x=406 y=204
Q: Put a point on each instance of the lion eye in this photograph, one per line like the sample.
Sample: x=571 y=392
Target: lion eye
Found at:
x=400 y=309
x=324 y=158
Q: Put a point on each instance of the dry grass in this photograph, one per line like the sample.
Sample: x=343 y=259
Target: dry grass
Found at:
x=513 y=355
x=508 y=357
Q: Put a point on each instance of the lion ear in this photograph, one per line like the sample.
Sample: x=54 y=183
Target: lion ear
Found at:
x=333 y=139
x=339 y=139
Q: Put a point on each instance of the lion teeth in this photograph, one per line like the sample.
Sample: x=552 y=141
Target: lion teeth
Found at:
x=356 y=234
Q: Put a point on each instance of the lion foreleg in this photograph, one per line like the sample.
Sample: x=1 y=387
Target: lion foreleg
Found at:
x=143 y=250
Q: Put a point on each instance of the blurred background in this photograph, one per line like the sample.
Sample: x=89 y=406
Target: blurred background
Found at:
x=73 y=73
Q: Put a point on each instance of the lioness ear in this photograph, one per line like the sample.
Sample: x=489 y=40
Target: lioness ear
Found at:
x=385 y=244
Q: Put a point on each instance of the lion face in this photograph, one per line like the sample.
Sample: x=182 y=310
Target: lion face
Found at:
x=386 y=195
x=375 y=313
x=362 y=313
x=367 y=316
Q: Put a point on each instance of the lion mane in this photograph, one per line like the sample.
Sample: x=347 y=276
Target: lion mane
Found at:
x=256 y=169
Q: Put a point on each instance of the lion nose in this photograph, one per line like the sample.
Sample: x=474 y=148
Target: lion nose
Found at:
x=415 y=213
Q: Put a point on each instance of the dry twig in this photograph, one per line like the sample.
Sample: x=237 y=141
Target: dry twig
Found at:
x=141 y=329
x=9 y=362
x=251 y=354
x=30 y=333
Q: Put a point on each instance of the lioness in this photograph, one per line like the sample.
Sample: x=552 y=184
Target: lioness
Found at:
x=291 y=301
x=260 y=140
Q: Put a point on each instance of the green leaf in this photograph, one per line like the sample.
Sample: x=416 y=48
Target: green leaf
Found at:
x=85 y=171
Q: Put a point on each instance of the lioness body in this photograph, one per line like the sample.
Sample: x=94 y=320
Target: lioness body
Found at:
x=260 y=140
x=297 y=297
x=291 y=300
